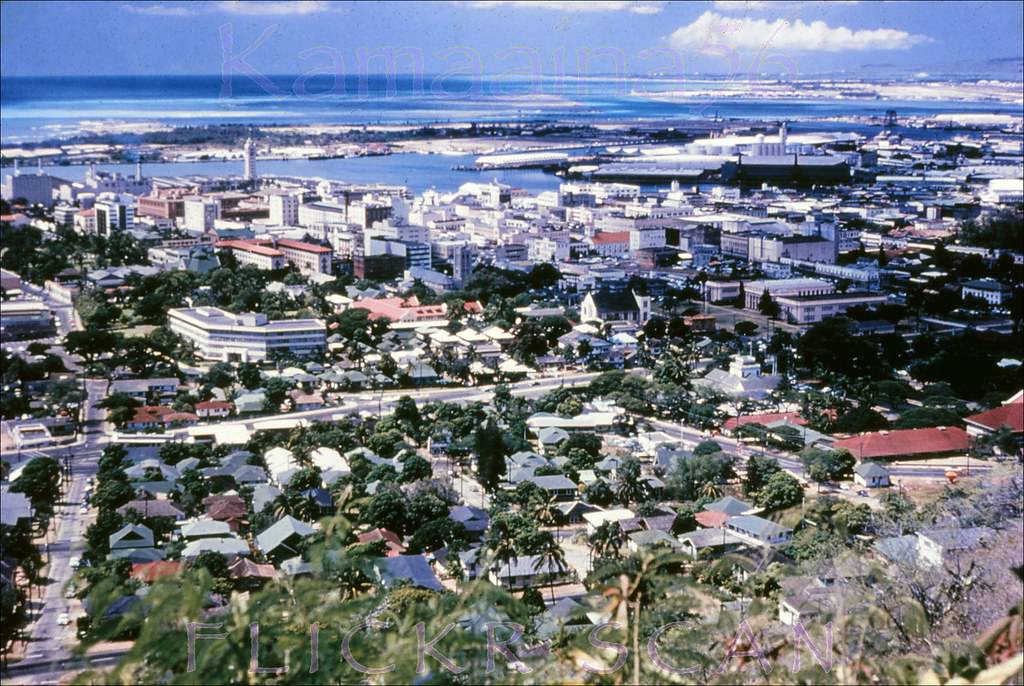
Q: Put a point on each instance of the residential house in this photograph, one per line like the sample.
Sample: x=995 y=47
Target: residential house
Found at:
x=871 y=475
x=610 y=306
x=229 y=548
x=705 y=543
x=556 y=486
x=214 y=409
x=281 y=539
x=1009 y=415
x=761 y=530
x=527 y=571
x=411 y=569
x=153 y=508
x=474 y=519
x=391 y=540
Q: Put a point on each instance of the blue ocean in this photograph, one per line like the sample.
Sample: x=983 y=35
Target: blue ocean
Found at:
x=37 y=109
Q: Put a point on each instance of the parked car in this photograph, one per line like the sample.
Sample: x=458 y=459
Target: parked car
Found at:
x=63 y=619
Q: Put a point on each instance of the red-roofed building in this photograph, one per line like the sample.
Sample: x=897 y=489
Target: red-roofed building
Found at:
x=764 y=419
x=611 y=243
x=159 y=416
x=912 y=444
x=711 y=520
x=148 y=572
x=254 y=253
x=262 y=253
x=213 y=408
x=390 y=538
x=1009 y=415
x=409 y=310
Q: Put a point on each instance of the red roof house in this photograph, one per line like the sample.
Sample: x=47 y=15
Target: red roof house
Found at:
x=1009 y=414
x=913 y=444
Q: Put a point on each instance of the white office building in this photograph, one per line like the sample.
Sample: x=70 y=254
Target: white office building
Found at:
x=284 y=209
x=247 y=337
x=114 y=213
x=200 y=213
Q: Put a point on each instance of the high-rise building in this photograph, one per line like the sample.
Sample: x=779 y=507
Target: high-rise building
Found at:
x=462 y=264
x=249 y=155
x=116 y=213
x=200 y=213
x=284 y=209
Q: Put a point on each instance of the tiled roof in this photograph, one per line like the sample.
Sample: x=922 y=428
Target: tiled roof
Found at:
x=906 y=443
x=1010 y=415
x=764 y=419
x=607 y=237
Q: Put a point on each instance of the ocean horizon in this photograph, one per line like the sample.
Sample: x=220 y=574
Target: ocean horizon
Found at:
x=40 y=108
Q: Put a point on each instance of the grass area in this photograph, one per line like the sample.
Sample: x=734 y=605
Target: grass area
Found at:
x=139 y=331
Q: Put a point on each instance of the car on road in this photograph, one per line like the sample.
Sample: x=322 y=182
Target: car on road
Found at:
x=862 y=493
x=63 y=619
x=74 y=563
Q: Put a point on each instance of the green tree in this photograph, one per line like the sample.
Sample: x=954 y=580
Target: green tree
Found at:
x=861 y=418
x=690 y=475
x=632 y=487
x=779 y=492
x=415 y=468
x=767 y=306
x=436 y=534
x=759 y=469
x=387 y=509
x=489 y=446
x=40 y=482
x=599 y=493
x=90 y=344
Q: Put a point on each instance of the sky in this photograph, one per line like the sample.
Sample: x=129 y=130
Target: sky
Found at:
x=497 y=37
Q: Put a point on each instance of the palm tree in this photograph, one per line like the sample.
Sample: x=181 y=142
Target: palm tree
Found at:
x=548 y=513
x=710 y=490
x=606 y=541
x=625 y=590
x=632 y=488
x=550 y=555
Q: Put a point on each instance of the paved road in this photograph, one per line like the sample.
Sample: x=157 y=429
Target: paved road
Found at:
x=377 y=401
x=49 y=647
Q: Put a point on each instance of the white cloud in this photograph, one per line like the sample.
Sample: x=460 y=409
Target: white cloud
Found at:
x=159 y=10
x=741 y=6
x=243 y=7
x=652 y=7
x=710 y=32
x=258 y=7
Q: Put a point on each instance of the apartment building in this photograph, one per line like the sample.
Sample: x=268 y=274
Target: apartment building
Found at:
x=246 y=337
x=254 y=254
x=276 y=254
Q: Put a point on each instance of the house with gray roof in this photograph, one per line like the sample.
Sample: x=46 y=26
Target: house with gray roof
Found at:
x=206 y=528
x=131 y=536
x=282 y=538
x=411 y=569
x=710 y=542
x=153 y=508
x=649 y=538
x=550 y=437
x=14 y=507
x=228 y=547
x=473 y=519
x=556 y=486
x=762 y=531
x=871 y=475
x=263 y=495
x=527 y=571
x=729 y=505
